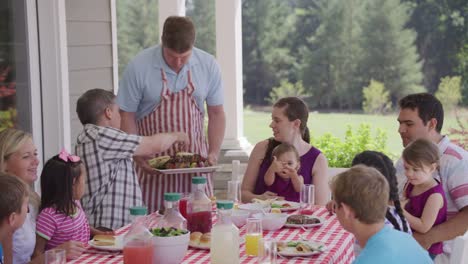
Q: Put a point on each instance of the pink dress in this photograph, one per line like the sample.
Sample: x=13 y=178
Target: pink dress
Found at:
x=415 y=207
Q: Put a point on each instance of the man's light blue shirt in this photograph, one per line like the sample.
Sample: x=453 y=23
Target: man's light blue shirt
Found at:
x=1 y=254
x=141 y=84
x=389 y=246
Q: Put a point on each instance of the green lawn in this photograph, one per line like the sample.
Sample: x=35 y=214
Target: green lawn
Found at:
x=256 y=126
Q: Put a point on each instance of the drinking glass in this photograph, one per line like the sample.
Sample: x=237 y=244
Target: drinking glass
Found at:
x=55 y=256
x=235 y=175
x=234 y=191
x=253 y=236
x=307 y=195
x=267 y=251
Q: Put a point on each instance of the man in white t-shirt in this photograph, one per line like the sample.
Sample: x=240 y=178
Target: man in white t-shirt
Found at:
x=422 y=116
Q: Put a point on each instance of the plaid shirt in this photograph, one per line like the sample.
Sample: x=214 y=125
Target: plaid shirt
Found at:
x=112 y=185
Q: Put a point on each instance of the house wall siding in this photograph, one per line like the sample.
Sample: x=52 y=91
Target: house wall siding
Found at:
x=90 y=60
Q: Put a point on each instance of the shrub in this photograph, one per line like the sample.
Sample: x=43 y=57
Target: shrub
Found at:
x=340 y=153
x=7 y=118
x=287 y=89
x=449 y=92
x=376 y=98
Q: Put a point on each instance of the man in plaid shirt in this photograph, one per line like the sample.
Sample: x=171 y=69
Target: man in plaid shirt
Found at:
x=107 y=152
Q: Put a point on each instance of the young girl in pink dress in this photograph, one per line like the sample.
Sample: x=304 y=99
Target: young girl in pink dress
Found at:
x=425 y=204
x=61 y=217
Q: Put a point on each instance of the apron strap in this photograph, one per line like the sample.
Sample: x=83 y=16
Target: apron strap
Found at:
x=190 y=86
x=165 y=91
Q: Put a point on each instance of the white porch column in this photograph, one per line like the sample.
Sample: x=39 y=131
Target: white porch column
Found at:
x=229 y=56
x=169 y=8
x=54 y=77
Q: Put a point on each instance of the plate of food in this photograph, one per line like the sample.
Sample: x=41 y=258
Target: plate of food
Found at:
x=285 y=205
x=200 y=241
x=301 y=220
x=107 y=242
x=181 y=162
x=298 y=248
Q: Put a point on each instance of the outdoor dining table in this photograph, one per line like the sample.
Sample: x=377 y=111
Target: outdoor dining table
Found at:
x=339 y=245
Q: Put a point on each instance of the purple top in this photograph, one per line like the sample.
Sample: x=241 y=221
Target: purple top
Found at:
x=415 y=207
x=284 y=187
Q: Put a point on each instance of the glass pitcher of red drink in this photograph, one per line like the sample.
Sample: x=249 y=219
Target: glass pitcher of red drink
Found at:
x=199 y=207
x=183 y=204
x=138 y=243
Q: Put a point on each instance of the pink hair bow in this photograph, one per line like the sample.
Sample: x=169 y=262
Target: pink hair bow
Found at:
x=65 y=156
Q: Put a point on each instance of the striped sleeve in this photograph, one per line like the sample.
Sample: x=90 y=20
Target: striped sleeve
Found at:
x=116 y=144
x=458 y=183
x=46 y=226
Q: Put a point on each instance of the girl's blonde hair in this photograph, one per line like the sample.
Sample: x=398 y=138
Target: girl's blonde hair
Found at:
x=421 y=152
x=10 y=141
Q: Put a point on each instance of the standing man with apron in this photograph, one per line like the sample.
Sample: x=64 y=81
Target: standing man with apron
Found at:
x=163 y=89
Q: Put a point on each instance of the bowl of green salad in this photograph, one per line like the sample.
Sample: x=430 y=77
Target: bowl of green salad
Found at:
x=170 y=244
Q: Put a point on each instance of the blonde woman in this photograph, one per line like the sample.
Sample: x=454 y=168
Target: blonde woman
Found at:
x=18 y=157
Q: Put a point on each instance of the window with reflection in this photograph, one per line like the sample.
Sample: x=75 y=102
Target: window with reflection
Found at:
x=15 y=106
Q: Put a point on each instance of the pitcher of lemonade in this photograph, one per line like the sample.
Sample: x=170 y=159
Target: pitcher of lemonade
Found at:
x=224 y=236
x=199 y=207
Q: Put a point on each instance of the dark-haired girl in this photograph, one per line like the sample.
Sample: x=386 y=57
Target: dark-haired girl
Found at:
x=384 y=164
x=394 y=217
x=61 y=216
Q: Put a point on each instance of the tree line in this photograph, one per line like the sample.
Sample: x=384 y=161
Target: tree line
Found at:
x=330 y=49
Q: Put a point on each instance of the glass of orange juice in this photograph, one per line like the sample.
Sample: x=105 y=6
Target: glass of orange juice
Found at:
x=253 y=236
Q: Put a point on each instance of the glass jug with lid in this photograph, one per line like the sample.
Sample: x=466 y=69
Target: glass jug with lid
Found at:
x=224 y=236
x=199 y=207
x=172 y=216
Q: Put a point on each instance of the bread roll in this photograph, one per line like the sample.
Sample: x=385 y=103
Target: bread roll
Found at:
x=205 y=240
x=195 y=238
x=104 y=240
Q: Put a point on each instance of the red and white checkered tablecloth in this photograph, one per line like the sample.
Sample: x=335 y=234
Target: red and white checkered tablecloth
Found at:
x=338 y=241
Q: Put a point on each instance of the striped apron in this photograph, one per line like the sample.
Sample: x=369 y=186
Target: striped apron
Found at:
x=177 y=112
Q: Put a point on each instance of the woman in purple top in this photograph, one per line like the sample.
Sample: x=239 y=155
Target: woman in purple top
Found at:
x=289 y=125
x=426 y=205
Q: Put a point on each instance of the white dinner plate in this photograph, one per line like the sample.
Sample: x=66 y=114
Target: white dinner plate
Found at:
x=199 y=246
x=292 y=252
x=294 y=206
x=307 y=225
x=188 y=170
x=241 y=241
x=118 y=246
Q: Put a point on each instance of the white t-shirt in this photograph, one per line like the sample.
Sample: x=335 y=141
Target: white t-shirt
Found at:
x=24 y=238
x=453 y=174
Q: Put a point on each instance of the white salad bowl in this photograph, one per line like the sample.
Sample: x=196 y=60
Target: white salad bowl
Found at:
x=254 y=208
x=170 y=250
x=239 y=217
x=272 y=221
